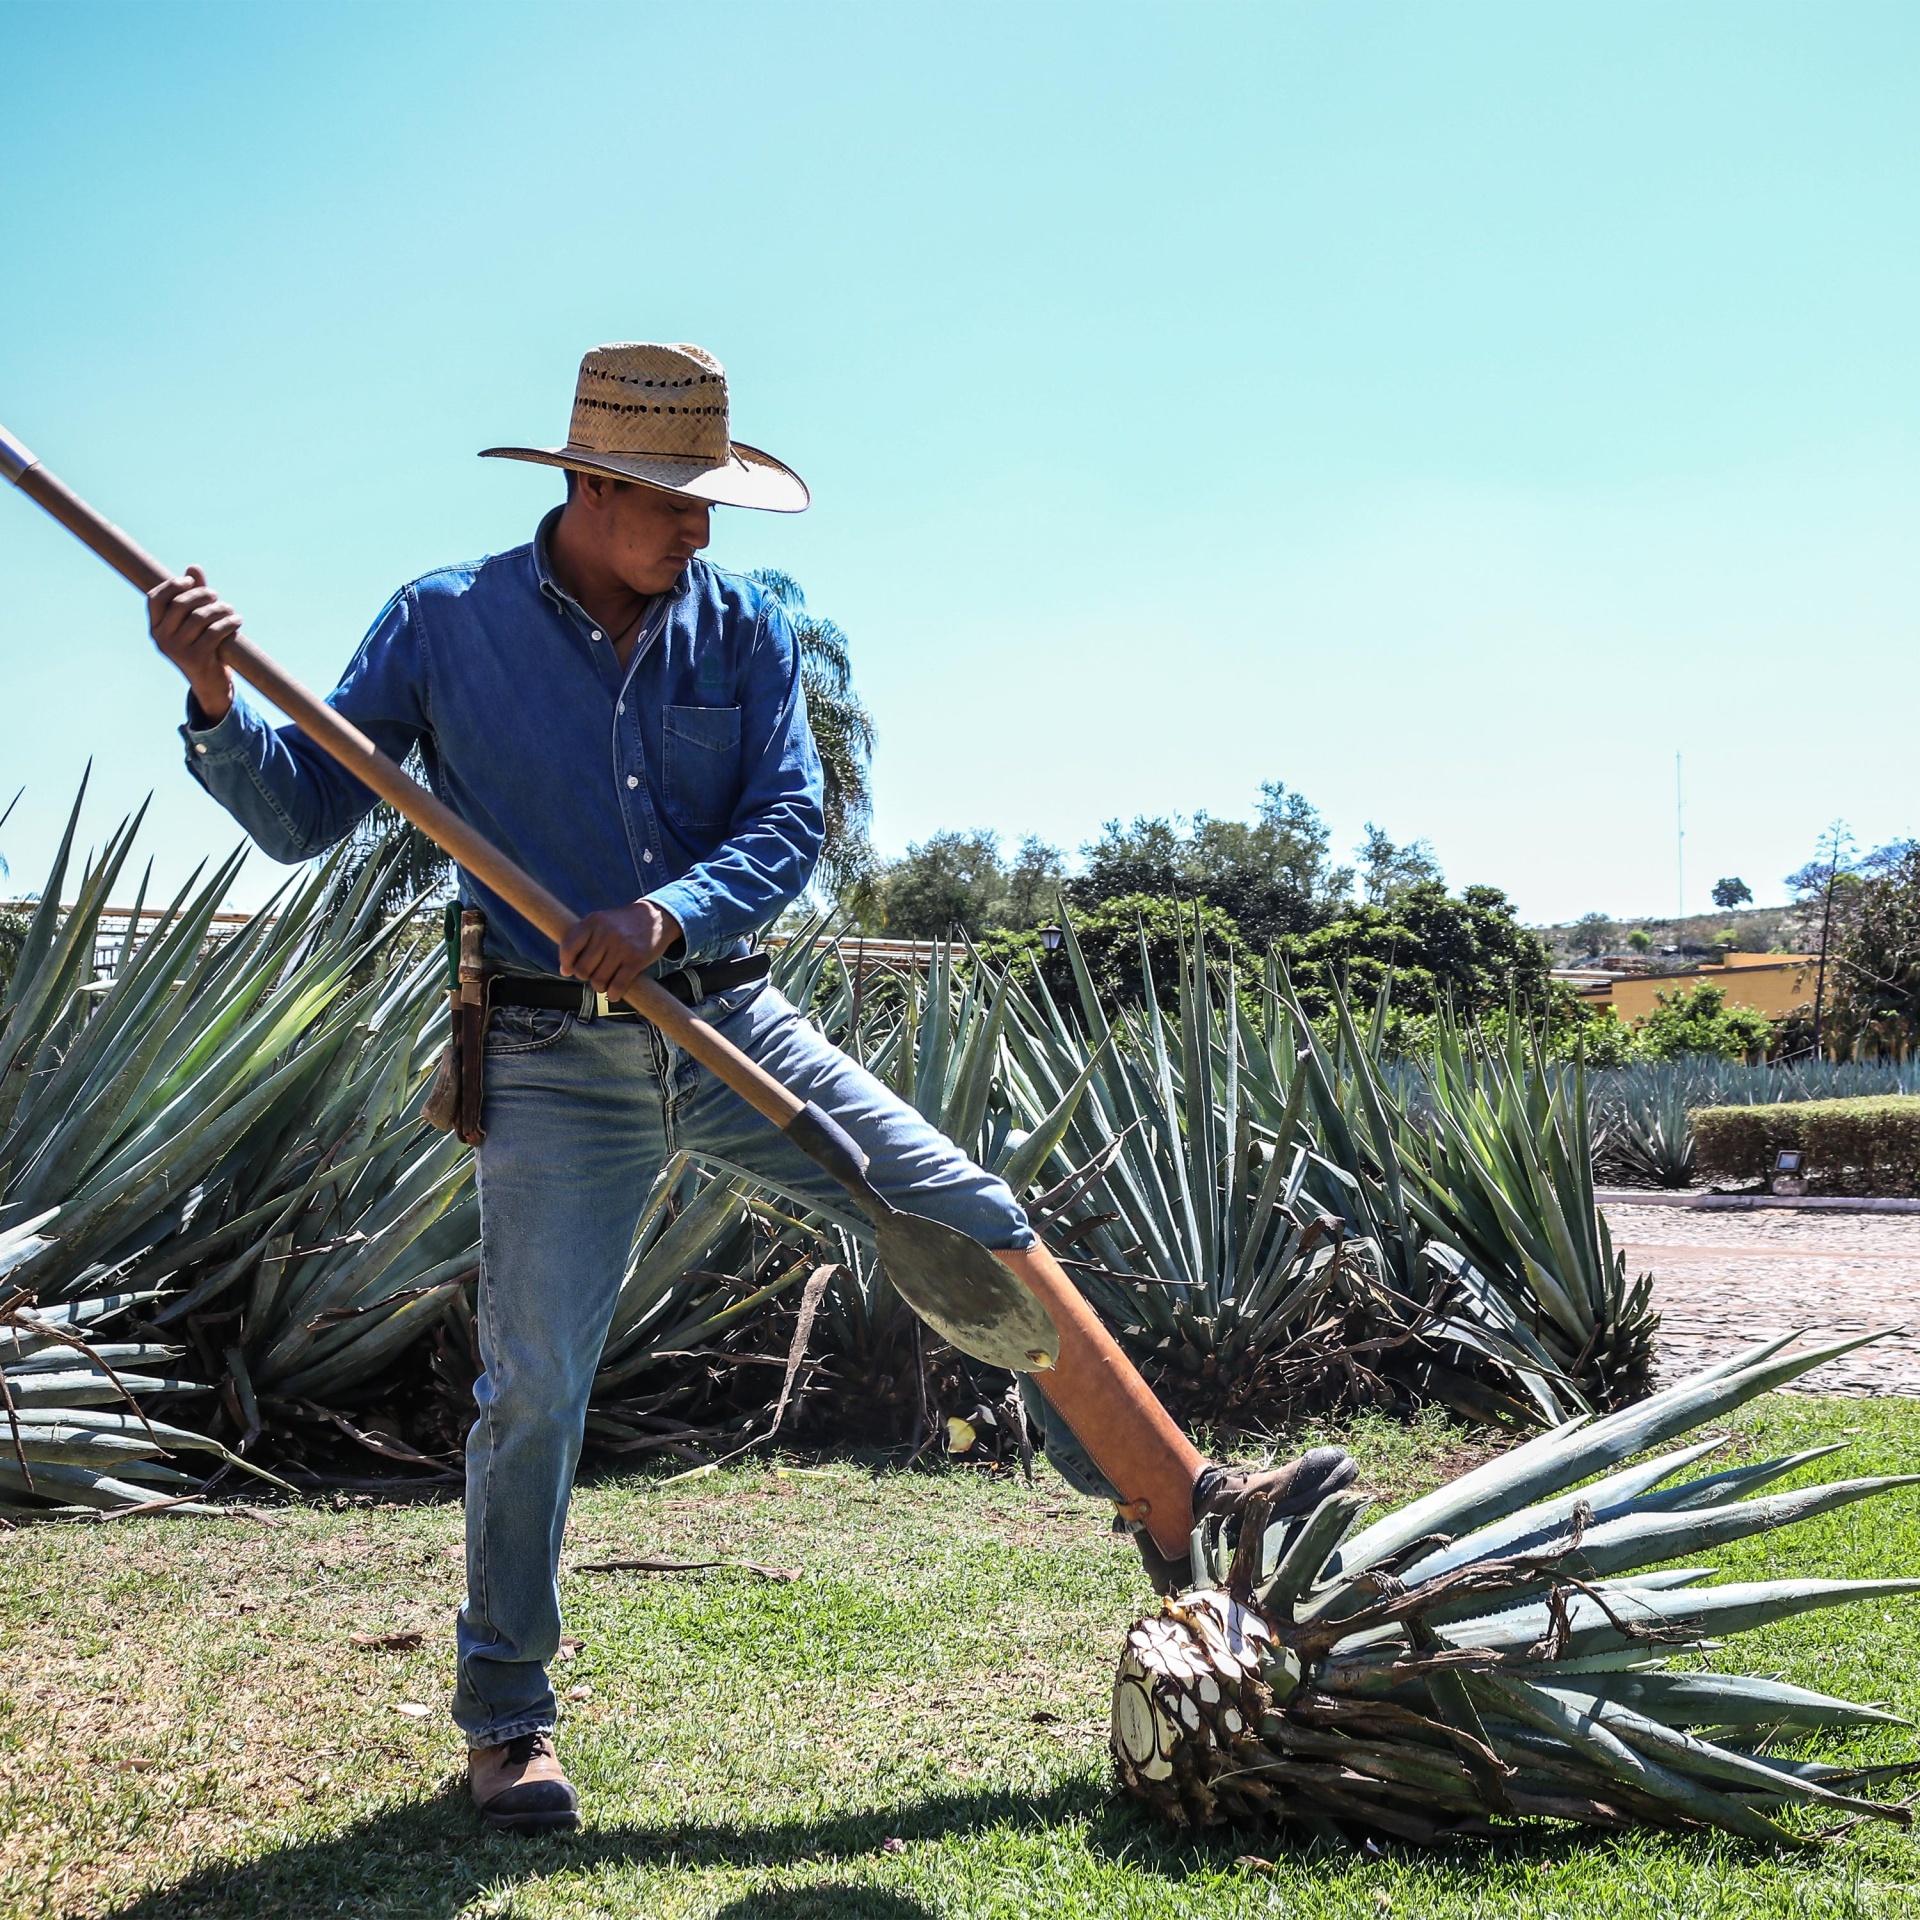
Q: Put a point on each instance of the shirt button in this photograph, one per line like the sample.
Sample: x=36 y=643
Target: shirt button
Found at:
x=620 y=707
x=646 y=854
x=199 y=746
x=598 y=635
x=633 y=779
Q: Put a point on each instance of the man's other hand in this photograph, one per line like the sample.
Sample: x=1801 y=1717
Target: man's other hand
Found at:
x=612 y=950
x=190 y=623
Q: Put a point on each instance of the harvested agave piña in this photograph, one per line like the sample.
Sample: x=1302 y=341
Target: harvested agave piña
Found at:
x=1500 y=1650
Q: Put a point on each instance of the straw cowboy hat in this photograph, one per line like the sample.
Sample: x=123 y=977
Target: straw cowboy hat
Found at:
x=658 y=415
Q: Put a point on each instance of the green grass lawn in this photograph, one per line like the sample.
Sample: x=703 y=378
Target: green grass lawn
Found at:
x=915 y=1726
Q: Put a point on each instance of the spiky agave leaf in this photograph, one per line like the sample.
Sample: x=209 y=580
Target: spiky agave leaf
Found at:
x=1236 y=1211
x=73 y=1432
x=1500 y=1650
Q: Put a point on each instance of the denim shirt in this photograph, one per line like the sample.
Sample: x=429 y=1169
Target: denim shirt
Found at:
x=691 y=779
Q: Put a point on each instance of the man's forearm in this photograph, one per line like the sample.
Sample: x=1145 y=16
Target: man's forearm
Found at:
x=292 y=800
x=748 y=881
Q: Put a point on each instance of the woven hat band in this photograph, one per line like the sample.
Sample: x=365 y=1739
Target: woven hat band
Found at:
x=666 y=401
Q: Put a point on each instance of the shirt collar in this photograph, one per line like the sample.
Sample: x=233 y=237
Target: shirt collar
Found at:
x=543 y=561
x=560 y=597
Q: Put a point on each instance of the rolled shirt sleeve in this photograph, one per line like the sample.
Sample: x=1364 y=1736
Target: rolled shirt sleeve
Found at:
x=779 y=822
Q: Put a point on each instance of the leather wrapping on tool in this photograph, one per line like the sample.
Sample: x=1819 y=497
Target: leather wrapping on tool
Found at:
x=830 y=1147
x=1099 y=1393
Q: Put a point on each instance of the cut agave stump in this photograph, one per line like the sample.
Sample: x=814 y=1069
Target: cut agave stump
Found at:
x=1502 y=1650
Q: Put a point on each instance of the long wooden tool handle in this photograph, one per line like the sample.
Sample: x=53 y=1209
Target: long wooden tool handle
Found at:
x=345 y=742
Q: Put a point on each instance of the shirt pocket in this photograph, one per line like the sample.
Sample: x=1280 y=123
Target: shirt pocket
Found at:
x=700 y=764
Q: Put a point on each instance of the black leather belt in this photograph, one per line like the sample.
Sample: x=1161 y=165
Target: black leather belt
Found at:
x=688 y=985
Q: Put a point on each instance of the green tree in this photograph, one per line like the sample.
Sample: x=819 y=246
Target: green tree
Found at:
x=1640 y=940
x=1387 y=870
x=1593 y=934
x=948 y=883
x=1698 y=1020
x=1272 y=875
x=1730 y=893
x=1876 y=964
x=1035 y=882
x=1596 y=1035
x=957 y=883
x=842 y=730
x=1469 y=952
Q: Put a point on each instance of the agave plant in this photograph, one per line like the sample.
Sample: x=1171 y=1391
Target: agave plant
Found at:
x=947 y=1043
x=1640 y=1124
x=72 y=1430
x=1477 y=1159
x=369 y=1228
x=681 y=1373
x=1242 y=1227
x=1504 y=1167
x=149 y=1105
x=1650 y=1141
x=231 y=1129
x=1504 y=1648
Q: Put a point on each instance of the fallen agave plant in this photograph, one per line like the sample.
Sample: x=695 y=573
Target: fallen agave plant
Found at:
x=1503 y=1649
x=72 y=1431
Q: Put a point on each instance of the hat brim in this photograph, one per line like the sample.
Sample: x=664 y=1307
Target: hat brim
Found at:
x=749 y=479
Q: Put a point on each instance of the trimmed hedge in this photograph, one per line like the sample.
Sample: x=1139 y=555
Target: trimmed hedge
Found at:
x=1866 y=1146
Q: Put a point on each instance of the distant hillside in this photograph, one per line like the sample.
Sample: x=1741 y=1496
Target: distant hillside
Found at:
x=1755 y=930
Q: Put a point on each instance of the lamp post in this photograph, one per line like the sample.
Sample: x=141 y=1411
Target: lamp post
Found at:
x=1053 y=938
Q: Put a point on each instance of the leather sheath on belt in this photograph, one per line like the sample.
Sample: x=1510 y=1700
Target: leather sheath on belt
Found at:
x=470 y=1028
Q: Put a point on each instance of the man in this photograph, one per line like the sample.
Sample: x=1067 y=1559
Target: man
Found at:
x=626 y=722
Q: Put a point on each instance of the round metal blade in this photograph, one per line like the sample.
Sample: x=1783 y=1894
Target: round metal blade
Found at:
x=965 y=1295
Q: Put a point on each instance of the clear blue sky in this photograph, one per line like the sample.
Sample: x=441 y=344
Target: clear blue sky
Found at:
x=1448 y=411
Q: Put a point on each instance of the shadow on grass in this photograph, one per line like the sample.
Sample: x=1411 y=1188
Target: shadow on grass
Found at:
x=428 y=1857
x=831 y=1900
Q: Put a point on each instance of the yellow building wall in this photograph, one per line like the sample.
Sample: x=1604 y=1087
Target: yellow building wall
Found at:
x=1773 y=984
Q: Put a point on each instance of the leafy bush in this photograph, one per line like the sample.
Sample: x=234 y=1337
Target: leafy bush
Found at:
x=1438 y=950
x=13 y=937
x=1700 y=1021
x=1113 y=935
x=1852 y=1146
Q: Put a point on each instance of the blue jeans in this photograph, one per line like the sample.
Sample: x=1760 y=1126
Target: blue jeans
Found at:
x=581 y=1115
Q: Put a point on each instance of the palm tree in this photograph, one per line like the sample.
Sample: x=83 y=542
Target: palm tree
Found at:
x=842 y=730
x=423 y=872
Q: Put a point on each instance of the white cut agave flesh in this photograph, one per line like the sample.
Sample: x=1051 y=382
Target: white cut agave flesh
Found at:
x=1521 y=1671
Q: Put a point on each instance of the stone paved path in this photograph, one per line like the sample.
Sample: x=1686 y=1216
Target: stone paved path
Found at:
x=1725 y=1280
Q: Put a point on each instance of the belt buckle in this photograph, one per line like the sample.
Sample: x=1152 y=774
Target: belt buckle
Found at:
x=602 y=1006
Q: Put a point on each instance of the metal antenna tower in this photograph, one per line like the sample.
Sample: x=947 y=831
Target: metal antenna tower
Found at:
x=1679 y=845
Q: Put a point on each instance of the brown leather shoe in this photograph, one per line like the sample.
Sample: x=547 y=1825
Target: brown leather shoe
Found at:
x=520 y=1788
x=1296 y=1489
